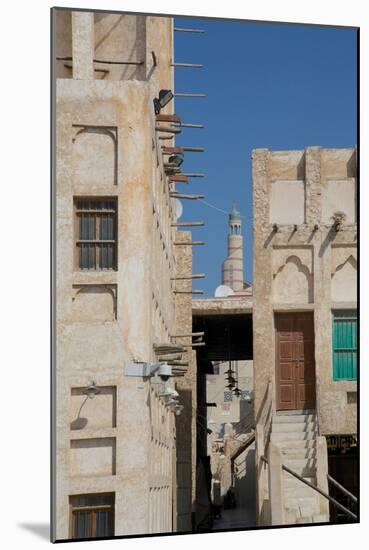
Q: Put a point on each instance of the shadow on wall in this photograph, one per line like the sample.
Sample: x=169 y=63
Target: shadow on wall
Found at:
x=184 y=445
x=245 y=483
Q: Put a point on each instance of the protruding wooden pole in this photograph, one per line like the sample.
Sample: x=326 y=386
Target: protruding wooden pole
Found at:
x=184 y=94
x=189 y=243
x=167 y=129
x=187 y=224
x=190 y=197
x=188 y=65
x=193 y=175
x=188 y=277
x=177 y=29
x=188 y=292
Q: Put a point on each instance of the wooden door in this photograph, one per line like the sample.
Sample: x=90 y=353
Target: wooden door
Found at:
x=295 y=362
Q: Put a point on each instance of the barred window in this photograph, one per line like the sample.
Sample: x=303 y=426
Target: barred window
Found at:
x=96 y=229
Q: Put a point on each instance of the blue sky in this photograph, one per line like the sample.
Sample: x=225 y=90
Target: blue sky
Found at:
x=268 y=85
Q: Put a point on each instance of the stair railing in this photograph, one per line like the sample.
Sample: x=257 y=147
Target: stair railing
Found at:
x=325 y=495
x=262 y=438
x=342 y=489
x=317 y=386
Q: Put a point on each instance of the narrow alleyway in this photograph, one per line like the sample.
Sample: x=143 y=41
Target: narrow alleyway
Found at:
x=236 y=518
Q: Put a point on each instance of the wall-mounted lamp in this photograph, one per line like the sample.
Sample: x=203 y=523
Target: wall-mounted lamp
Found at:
x=91 y=390
x=164 y=97
x=169 y=393
x=178 y=409
x=176 y=160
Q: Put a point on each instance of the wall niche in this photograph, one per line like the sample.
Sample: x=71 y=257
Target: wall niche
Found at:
x=344 y=274
x=97 y=412
x=93 y=303
x=293 y=283
x=95 y=456
x=292 y=193
x=94 y=156
x=339 y=195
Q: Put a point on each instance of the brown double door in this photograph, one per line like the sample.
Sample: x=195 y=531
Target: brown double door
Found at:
x=295 y=361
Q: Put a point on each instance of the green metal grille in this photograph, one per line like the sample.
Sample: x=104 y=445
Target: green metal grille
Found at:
x=344 y=345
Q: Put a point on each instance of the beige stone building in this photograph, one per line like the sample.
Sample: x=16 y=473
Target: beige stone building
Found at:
x=117 y=297
x=304 y=326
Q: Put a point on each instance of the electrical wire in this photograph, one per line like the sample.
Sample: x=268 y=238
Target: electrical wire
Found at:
x=221 y=210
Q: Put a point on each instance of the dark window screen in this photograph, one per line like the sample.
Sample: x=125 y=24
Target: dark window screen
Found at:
x=96 y=238
x=92 y=516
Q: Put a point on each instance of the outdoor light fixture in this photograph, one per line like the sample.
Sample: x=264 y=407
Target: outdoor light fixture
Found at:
x=169 y=392
x=163 y=370
x=237 y=392
x=164 y=97
x=176 y=160
x=91 y=390
x=172 y=404
x=178 y=409
x=229 y=372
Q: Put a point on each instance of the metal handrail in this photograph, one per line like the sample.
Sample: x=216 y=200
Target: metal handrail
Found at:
x=328 y=497
x=339 y=486
x=317 y=384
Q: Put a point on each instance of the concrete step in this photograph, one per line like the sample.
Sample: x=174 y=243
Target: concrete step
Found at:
x=291 y=436
x=290 y=481
x=297 y=463
x=300 y=511
x=294 y=427
x=299 y=491
x=320 y=518
x=290 y=516
x=303 y=471
x=293 y=418
x=296 y=454
x=304 y=503
x=304 y=520
x=297 y=444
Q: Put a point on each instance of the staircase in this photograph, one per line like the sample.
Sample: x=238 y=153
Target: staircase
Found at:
x=295 y=434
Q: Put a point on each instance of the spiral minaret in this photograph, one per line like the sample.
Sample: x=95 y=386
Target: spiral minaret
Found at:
x=232 y=269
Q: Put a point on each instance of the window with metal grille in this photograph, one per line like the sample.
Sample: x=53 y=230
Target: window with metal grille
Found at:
x=228 y=396
x=92 y=515
x=344 y=339
x=96 y=229
x=245 y=395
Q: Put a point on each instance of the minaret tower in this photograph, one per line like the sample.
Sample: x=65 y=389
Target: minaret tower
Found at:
x=232 y=270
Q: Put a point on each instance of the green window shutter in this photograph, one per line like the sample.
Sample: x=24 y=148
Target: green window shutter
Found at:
x=344 y=345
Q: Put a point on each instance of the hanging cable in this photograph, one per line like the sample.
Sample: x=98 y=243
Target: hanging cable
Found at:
x=221 y=210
